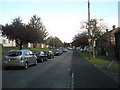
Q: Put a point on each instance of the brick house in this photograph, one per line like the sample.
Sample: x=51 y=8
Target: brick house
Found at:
x=117 y=47
x=105 y=45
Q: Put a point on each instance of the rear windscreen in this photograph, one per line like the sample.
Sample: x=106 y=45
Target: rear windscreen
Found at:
x=14 y=53
x=37 y=53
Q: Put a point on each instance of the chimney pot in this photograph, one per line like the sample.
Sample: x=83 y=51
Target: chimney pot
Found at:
x=106 y=30
x=113 y=27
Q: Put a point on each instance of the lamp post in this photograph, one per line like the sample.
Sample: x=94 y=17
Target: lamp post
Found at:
x=89 y=29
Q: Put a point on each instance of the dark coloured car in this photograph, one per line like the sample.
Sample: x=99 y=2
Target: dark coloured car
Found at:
x=64 y=50
x=41 y=56
x=60 y=51
x=49 y=54
x=56 y=52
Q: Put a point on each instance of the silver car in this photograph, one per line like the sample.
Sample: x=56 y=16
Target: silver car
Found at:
x=22 y=58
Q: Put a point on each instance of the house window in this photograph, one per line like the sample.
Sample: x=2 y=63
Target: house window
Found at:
x=8 y=41
x=4 y=41
x=113 y=38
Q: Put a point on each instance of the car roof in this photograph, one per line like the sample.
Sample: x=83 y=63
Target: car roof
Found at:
x=19 y=50
x=38 y=51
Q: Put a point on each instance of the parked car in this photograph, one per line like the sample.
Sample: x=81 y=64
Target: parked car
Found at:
x=22 y=58
x=64 y=50
x=60 y=51
x=56 y=52
x=49 y=54
x=41 y=56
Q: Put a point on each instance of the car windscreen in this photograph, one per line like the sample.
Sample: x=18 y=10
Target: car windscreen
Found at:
x=46 y=52
x=55 y=51
x=14 y=53
x=37 y=53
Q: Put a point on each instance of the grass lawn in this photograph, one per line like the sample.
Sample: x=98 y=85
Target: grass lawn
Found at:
x=101 y=62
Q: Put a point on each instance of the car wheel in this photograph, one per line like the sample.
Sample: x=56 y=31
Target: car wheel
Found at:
x=36 y=62
x=26 y=65
x=42 y=60
x=46 y=59
x=50 y=57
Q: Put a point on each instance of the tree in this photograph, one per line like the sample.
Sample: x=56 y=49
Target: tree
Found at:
x=58 y=42
x=20 y=32
x=37 y=24
x=54 y=42
x=65 y=44
x=80 y=40
x=50 y=41
x=96 y=28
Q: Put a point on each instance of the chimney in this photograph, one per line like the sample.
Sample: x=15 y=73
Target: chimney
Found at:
x=106 y=30
x=113 y=27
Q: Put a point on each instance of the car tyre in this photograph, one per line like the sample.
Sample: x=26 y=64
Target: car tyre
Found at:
x=42 y=60
x=26 y=65
x=36 y=62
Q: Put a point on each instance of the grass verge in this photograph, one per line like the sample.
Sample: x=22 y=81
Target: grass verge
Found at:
x=101 y=62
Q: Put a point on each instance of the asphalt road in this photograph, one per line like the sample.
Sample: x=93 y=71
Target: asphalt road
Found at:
x=54 y=73
x=68 y=70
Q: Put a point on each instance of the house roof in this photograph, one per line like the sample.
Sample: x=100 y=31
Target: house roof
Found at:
x=105 y=35
x=118 y=30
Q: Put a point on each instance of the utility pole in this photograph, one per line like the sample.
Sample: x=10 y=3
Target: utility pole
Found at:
x=89 y=29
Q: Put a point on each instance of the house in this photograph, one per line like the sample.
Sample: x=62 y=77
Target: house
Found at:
x=105 y=45
x=36 y=45
x=117 y=47
x=6 y=42
x=41 y=45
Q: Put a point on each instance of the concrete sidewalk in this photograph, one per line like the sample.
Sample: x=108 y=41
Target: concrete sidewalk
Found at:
x=87 y=75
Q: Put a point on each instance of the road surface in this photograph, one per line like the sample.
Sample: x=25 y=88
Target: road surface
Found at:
x=54 y=73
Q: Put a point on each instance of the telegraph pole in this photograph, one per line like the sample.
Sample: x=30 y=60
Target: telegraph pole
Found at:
x=89 y=40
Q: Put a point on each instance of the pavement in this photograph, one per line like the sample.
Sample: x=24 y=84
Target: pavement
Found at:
x=87 y=75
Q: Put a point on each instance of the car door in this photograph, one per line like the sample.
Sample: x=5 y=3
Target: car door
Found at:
x=32 y=57
x=28 y=57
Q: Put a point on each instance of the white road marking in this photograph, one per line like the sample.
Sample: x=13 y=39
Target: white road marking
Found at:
x=72 y=82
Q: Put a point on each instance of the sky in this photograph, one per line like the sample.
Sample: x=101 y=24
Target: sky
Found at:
x=62 y=18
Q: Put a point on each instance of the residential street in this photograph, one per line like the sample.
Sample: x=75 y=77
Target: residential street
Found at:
x=68 y=70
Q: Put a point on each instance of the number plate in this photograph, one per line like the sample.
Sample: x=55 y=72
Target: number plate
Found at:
x=12 y=59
